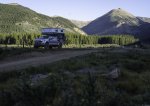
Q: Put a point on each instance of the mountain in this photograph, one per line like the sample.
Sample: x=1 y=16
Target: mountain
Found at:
x=144 y=19
x=17 y=18
x=119 y=21
x=80 y=24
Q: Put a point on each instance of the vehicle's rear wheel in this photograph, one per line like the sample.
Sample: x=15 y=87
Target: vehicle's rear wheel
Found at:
x=46 y=45
x=36 y=47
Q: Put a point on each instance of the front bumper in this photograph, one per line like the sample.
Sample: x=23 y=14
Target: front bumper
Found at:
x=40 y=44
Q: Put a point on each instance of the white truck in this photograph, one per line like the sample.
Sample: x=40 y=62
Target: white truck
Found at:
x=51 y=37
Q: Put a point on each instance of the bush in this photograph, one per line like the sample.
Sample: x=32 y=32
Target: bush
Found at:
x=136 y=66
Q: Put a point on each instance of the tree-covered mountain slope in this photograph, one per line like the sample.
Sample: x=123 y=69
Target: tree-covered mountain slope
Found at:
x=16 y=18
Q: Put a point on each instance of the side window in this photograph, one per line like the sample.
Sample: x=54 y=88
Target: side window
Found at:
x=60 y=36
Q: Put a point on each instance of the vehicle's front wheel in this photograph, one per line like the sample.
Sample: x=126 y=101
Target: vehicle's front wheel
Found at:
x=46 y=45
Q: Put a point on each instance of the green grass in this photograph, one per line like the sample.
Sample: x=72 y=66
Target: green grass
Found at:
x=70 y=83
x=90 y=45
x=13 y=50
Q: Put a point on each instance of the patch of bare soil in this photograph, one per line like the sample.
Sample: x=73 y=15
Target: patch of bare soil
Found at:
x=37 y=58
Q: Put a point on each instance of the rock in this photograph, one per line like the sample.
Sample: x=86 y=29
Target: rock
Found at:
x=37 y=78
x=114 y=74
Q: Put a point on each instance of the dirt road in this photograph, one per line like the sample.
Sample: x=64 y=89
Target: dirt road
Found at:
x=37 y=60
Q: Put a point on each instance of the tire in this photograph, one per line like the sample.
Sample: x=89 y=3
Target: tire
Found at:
x=46 y=46
x=60 y=46
x=36 y=47
x=50 y=47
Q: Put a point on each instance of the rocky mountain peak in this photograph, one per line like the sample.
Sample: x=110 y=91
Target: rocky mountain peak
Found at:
x=118 y=21
x=13 y=4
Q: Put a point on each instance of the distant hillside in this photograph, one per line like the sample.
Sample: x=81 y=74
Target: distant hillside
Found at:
x=145 y=19
x=119 y=21
x=80 y=24
x=16 y=18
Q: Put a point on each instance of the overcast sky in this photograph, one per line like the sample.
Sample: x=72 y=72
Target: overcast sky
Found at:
x=84 y=9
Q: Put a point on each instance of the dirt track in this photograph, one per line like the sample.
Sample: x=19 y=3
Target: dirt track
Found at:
x=37 y=60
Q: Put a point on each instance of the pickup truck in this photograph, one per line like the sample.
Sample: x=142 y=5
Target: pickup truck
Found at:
x=51 y=37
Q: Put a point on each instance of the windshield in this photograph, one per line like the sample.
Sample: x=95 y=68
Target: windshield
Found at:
x=44 y=37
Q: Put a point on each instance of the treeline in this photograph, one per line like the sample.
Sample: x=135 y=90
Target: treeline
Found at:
x=95 y=39
x=18 y=38
x=117 y=39
x=28 y=39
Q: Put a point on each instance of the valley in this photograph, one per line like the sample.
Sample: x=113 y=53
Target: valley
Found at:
x=101 y=62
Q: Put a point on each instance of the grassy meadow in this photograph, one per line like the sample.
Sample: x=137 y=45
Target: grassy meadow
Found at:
x=82 y=81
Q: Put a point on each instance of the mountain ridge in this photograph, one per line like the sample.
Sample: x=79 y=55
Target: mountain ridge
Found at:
x=79 y=23
x=118 y=21
x=16 y=18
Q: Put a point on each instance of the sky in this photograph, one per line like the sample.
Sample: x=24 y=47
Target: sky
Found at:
x=84 y=10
